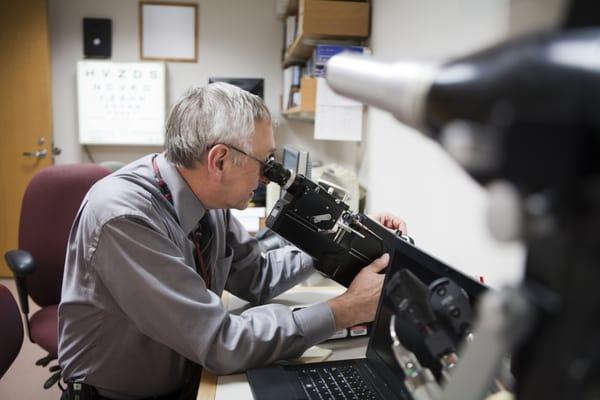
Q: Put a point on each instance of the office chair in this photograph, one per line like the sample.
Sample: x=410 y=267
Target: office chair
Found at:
x=11 y=334
x=112 y=165
x=50 y=204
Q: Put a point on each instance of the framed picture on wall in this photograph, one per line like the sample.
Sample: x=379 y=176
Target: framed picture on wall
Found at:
x=168 y=31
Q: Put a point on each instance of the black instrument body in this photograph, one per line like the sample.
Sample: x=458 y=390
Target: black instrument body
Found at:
x=310 y=217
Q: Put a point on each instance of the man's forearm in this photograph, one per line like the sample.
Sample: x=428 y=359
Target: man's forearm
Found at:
x=343 y=312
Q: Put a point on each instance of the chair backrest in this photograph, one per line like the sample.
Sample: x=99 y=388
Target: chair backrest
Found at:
x=50 y=204
x=11 y=333
x=112 y=165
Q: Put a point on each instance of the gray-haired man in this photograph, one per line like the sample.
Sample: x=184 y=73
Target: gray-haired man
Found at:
x=143 y=277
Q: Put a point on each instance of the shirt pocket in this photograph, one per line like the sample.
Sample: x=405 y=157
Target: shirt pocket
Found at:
x=221 y=271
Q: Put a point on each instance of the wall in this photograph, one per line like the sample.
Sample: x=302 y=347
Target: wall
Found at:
x=527 y=16
x=236 y=38
x=410 y=175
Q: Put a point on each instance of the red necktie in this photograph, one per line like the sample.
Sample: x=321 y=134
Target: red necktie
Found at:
x=201 y=236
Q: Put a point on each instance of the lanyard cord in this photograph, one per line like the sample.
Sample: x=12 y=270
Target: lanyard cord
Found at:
x=194 y=236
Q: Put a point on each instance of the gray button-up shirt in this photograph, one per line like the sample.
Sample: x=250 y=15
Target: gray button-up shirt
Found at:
x=133 y=306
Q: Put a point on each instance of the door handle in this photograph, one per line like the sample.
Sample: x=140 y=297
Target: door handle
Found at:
x=37 y=154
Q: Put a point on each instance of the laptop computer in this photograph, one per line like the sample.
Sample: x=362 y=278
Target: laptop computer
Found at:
x=378 y=376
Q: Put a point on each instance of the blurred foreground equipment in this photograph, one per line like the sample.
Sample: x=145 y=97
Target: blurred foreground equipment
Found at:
x=522 y=115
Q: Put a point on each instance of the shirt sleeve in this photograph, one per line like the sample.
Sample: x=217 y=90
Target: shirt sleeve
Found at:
x=168 y=301
x=257 y=278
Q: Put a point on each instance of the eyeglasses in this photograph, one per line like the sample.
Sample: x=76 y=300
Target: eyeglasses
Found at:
x=263 y=164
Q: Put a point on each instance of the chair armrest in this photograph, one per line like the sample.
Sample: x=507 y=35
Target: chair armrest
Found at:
x=21 y=264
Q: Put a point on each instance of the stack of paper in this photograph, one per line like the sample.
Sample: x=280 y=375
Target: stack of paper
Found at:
x=336 y=117
x=250 y=217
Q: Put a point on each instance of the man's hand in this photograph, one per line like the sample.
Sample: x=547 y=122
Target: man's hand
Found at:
x=390 y=221
x=359 y=303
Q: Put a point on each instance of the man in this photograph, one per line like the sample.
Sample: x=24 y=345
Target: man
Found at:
x=154 y=246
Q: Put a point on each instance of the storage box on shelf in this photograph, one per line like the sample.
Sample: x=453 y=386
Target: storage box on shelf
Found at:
x=326 y=20
x=308 y=93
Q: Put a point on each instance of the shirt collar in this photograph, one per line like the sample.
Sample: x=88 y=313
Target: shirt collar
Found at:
x=188 y=207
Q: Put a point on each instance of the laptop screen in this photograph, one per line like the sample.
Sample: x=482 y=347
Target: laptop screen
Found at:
x=379 y=351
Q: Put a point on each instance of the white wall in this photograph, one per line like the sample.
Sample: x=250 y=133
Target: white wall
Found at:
x=528 y=16
x=410 y=175
x=237 y=38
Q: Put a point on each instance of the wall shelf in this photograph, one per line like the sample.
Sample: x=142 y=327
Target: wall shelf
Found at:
x=283 y=8
x=324 y=20
x=298 y=114
x=298 y=52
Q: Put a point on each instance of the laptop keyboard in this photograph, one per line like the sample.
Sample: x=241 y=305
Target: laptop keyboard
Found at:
x=333 y=383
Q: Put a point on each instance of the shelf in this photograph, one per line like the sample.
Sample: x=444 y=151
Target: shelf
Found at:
x=322 y=20
x=302 y=48
x=306 y=109
x=298 y=52
x=283 y=8
x=298 y=114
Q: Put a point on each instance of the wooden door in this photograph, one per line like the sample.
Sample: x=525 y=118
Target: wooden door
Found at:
x=25 y=111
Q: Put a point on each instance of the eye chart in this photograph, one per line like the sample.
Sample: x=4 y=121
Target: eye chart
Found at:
x=121 y=103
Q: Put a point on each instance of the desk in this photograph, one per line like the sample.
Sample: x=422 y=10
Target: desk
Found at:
x=236 y=386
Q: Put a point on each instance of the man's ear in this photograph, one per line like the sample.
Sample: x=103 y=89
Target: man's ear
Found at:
x=215 y=160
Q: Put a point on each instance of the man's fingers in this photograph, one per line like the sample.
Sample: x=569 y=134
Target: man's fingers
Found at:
x=390 y=221
x=397 y=223
x=402 y=227
x=380 y=263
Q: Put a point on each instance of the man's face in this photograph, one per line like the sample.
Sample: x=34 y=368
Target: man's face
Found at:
x=246 y=175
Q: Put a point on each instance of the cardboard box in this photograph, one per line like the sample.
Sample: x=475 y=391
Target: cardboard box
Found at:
x=326 y=20
x=308 y=94
x=307 y=102
x=322 y=18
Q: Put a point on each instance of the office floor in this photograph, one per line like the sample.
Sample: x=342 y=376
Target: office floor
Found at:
x=24 y=380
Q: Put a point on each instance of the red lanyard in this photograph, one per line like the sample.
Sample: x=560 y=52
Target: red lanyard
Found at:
x=194 y=235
